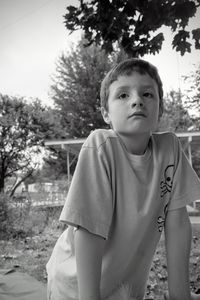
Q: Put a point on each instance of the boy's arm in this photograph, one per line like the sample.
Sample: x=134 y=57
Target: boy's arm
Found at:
x=178 y=245
x=88 y=250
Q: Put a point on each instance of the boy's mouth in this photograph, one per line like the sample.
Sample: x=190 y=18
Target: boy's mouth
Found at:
x=138 y=114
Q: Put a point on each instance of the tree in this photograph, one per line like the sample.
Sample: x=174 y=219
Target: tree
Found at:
x=134 y=25
x=23 y=128
x=76 y=86
x=56 y=161
x=75 y=91
x=192 y=102
x=175 y=117
x=192 y=95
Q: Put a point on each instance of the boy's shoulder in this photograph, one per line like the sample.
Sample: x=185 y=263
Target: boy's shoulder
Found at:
x=165 y=136
x=98 y=138
x=165 y=140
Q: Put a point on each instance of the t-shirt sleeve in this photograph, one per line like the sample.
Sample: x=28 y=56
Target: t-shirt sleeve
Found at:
x=89 y=200
x=186 y=184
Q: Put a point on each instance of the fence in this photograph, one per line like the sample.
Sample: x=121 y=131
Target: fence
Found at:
x=39 y=199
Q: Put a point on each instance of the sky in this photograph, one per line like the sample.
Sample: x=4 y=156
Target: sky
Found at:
x=33 y=36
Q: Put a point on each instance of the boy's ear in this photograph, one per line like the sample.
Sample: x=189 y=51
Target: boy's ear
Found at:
x=105 y=115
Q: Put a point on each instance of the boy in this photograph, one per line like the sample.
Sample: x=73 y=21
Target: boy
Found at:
x=129 y=184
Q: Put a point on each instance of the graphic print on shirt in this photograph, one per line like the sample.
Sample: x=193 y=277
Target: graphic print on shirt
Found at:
x=166 y=187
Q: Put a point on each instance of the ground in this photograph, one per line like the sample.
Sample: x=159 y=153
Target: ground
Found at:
x=31 y=254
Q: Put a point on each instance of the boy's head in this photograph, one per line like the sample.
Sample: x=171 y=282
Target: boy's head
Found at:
x=126 y=68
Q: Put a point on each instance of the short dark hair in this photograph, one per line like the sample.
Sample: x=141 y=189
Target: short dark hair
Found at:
x=126 y=67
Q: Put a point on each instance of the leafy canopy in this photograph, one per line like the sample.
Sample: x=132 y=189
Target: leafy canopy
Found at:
x=75 y=91
x=134 y=25
x=76 y=86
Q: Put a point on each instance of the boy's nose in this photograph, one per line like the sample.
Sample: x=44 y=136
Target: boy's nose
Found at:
x=137 y=101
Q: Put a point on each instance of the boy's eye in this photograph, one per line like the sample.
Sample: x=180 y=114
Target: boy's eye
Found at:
x=123 y=96
x=148 y=95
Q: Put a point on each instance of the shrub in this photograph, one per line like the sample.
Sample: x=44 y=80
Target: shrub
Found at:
x=5 y=220
x=19 y=219
x=13 y=214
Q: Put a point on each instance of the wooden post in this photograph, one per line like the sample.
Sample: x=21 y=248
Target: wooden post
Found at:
x=190 y=159
x=189 y=149
x=68 y=167
x=63 y=146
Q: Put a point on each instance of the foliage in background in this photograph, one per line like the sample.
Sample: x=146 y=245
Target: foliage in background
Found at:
x=76 y=87
x=191 y=102
x=135 y=26
x=13 y=217
x=5 y=224
x=175 y=116
x=75 y=91
x=23 y=128
x=76 y=94
x=21 y=219
x=56 y=161
x=192 y=95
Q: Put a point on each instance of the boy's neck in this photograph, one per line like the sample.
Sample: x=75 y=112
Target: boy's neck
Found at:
x=136 y=144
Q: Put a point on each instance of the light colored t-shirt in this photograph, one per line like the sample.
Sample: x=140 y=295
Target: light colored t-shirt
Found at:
x=124 y=198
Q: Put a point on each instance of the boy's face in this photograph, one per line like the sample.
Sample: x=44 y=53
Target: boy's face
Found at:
x=133 y=104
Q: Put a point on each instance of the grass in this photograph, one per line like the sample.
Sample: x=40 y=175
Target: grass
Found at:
x=29 y=247
x=30 y=255
x=158 y=273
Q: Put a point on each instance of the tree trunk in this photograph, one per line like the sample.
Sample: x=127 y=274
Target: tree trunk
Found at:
x=2 y=183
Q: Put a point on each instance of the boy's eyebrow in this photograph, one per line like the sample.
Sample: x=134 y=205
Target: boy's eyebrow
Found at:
x=128 y=87
x=123 y=87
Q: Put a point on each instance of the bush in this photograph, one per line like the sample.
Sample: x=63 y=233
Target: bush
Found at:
x=5 y=216
x=18 y=219
x=13 y=214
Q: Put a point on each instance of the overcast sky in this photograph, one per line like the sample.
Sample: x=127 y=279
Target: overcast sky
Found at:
x=33 y=35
